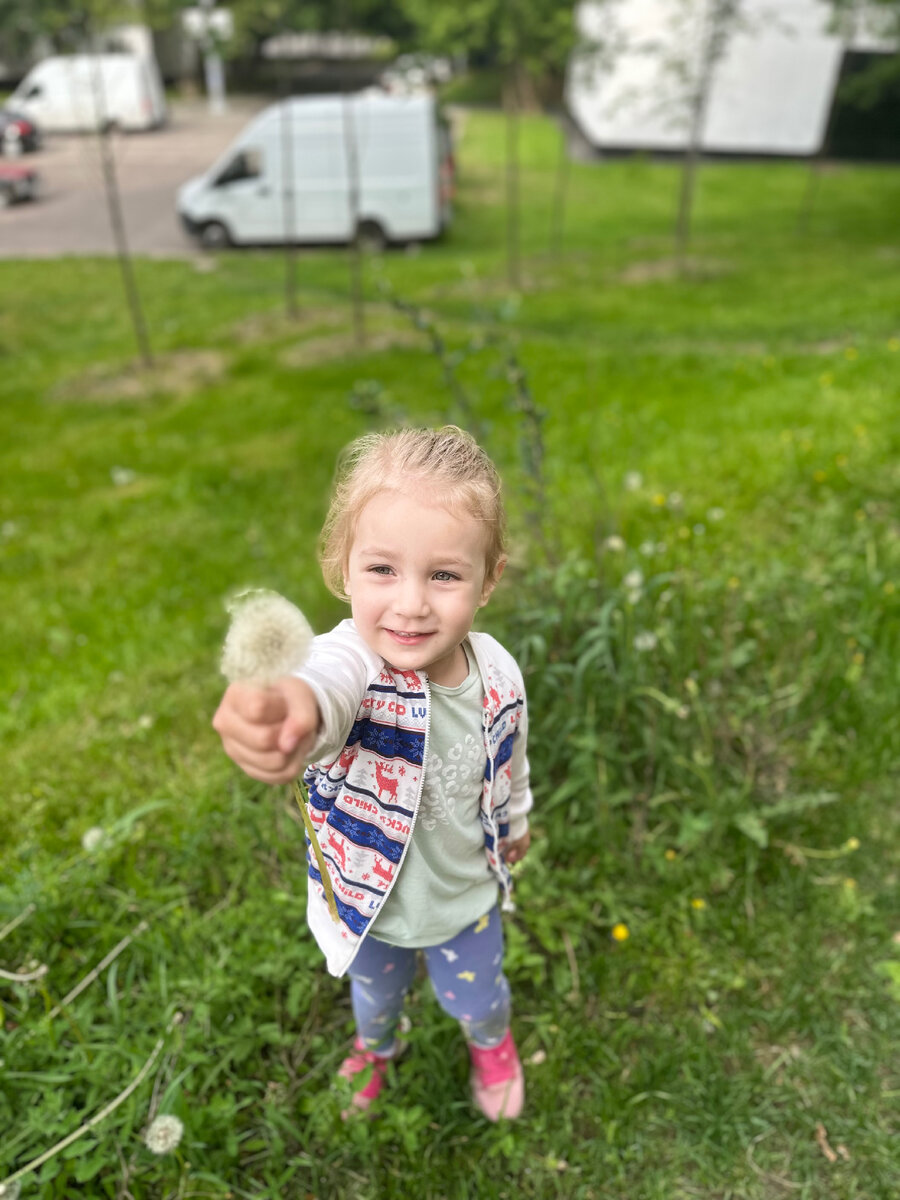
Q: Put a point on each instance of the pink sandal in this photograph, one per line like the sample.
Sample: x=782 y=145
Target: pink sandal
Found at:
x=498 y=1082
x=355 y=1064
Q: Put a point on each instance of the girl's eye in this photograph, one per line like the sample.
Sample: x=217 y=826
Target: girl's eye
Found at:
x=380 y=569
x=445 y=576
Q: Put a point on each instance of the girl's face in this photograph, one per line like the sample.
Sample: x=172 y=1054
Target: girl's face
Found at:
x=416 y=577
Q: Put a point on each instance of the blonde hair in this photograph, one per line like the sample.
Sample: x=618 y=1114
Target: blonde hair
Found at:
x=448 y=461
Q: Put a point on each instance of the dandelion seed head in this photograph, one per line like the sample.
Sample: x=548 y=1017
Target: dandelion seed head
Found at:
x=676 y=500
x=614 y=543
x=92 y=839
x=715 y=514
x=633 y=481
x=644 y=641
x=634 y=579
x=11 y=1191
x=269 y=637
x=648 y=549
x=164 y=1134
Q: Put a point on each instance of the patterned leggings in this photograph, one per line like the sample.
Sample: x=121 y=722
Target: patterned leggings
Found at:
x=465 y=972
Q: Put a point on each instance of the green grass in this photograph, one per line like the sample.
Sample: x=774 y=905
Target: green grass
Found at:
x=727 y=794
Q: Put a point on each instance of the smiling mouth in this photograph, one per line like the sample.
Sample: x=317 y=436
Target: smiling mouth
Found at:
x=408 y=639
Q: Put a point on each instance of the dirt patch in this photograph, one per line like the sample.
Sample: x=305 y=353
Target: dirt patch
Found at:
x=277 y=325
x=173 y=374
x=343 y=345
x=662 y=269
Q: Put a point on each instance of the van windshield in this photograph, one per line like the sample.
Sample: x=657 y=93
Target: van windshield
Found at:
x=246 y=165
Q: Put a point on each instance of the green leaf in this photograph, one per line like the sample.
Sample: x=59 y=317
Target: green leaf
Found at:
x=753 y=827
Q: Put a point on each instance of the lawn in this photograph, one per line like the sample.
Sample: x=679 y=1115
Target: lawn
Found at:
x=702 y=475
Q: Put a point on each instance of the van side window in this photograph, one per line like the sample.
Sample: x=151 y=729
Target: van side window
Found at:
x=34 y=90
x=246 y=165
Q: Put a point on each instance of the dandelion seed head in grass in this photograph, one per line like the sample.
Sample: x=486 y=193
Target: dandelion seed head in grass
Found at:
x=164 y=1134
x=614 y=543
x=269 y=637
x=644 y=641
x=634 y=579
x=633 y=481
x=92 y=839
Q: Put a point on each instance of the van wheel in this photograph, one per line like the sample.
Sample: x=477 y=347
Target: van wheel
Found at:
x=371 y=236
x=215 y=236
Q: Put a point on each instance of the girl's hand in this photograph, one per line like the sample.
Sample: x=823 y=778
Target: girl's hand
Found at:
x=269 y=731
x=515 y=851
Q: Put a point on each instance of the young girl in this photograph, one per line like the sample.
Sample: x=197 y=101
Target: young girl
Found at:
x=414 y=728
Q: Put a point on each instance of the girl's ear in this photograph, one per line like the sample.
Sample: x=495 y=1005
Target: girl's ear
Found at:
x=491 y=583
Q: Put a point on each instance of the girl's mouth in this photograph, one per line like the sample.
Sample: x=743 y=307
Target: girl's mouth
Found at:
x=408 y=639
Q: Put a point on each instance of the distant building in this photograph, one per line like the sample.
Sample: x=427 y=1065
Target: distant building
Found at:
x=772 y=90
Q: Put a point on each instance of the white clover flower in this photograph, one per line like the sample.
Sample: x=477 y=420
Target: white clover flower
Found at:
x=633 y=481
x=92 y=839
x=614 y=543
x=645 y=640
x=634 y=580
x=715 y=514
x=164 y=1134
x=269 y=637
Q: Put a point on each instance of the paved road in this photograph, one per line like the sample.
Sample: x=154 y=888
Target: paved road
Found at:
x=71 y=215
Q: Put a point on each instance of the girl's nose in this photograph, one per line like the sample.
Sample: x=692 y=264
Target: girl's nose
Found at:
x=412 y=599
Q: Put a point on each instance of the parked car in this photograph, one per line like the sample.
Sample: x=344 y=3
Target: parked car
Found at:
x=17 y=183
x=17 y=133
x=289 y=176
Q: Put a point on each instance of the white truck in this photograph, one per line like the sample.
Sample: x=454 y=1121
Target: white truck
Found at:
x=77 y=93
x=328 y=169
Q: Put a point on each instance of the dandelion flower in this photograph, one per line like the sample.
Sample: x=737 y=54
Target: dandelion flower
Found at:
x=852 y=843
x=659 y=500
x=164 y=1134
x=269 y=637
x=698 y=903
x=671 y=855
x=645 y=640
x=92 y=839
x=634 y=579
x=621 y=932
x=614 y=543
x=634 y=480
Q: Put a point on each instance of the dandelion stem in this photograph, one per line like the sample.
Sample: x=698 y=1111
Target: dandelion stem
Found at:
x=92 y=975
x=97 y=1117
x=316 y=849
x=23 y=916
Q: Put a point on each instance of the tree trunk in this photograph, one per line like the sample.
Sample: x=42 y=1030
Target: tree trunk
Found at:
x=511 y=104
x=289 y=197
x=117 y=220
x=560 y=195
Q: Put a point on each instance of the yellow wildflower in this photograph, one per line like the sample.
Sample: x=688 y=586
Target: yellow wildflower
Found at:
x=820 y=476
x=621 y=932
x=734 y=583
x=671 y=855
x=698 y=903
x=659 y=500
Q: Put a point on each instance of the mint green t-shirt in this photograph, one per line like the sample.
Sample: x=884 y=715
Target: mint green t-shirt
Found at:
x=445 y=882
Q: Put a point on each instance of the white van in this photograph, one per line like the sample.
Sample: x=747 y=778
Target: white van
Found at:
x=75 y=93
x=286 y=177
